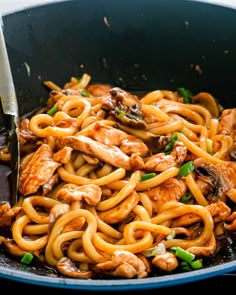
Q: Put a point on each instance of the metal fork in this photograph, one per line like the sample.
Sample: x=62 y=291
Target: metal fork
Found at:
x=10 y=117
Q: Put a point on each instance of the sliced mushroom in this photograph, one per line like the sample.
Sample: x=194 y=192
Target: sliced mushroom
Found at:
x=213 y=176
x=125 y=107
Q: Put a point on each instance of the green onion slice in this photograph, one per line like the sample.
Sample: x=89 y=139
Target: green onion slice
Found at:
x=168 y=148
x=148 y=176
x=27 y=258
x=183 y=254
x=186 y=197
x=84 y=93
x=209 y=145
x=185 y=93
x=196 y=264
x=52 y=111
x=186 y=168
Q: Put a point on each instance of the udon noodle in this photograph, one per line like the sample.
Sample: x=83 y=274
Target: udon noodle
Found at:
x=112 y=184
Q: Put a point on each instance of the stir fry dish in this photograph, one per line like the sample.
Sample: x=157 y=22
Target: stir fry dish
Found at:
x=117 y=185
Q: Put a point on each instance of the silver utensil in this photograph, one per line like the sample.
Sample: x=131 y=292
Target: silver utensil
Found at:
x=10 y=117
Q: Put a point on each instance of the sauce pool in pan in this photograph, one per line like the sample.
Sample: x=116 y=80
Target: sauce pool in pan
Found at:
x=5 y=169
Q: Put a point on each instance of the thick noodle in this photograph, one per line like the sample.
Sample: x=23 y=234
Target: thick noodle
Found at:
x=111 y=183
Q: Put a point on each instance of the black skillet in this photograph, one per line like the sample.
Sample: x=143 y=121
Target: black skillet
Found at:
x=139 y=45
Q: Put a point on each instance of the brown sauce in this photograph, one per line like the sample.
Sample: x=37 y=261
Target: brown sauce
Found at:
x=5 y=172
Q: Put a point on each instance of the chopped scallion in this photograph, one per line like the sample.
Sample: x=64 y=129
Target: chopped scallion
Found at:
x=209 y=145
x=185 y=266
x=168 y=148
x=119 y=112
x=84 y=93
x=27 y=258
x=183 y=254
x=52 y=111
x=186 y=168
x=196 y=264
x=148 y=176
x=184 y=263
x=186 y=197
x=185 y=93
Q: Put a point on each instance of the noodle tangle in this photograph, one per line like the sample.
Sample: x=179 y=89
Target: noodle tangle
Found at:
x=111 y=183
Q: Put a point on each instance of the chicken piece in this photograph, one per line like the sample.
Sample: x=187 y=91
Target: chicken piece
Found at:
x=124 y=264
x=64 y=121
x=228 y=122
x=111 y=136
x=166 y=261
x=90 y=160
x=110 y=154
x=227 y=127
x=129 y=147
x=146 y=262
x=63 y=156
x=75 y=224
x=159 y=162
x=231 y=222
x=38 y=170
x=66 y=267
x=170 y=190
x=136 y=162
x=25 y=132
x=70 y=192
x=7 y=214
x=98 y=89
x=219 y=212
x=228 y=171
x=12 y=248
x=179 y=152
x=47 y=187
x=207 y=250
x=57 y=211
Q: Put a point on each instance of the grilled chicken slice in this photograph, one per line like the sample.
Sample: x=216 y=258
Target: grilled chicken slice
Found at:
x=7 y=214
x=124 y=264
x=109 y=154
x=70 y=192
x=228 y=122
x=112 y=136
x=38 y=171
x=166 y=261
x=170 y=190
